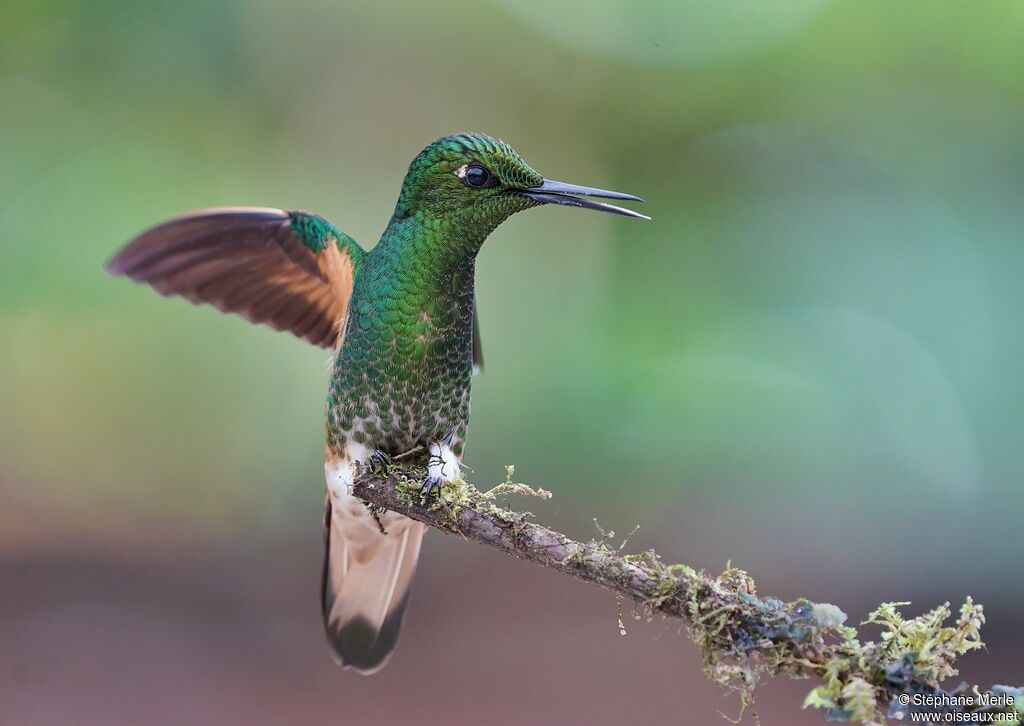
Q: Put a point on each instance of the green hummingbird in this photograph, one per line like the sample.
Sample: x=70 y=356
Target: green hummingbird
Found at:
x=401 y=320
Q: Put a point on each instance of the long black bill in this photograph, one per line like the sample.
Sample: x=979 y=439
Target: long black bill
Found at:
x=554 y=192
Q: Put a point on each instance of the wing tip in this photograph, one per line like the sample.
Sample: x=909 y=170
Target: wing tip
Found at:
x=121 y=263
x=115 y=266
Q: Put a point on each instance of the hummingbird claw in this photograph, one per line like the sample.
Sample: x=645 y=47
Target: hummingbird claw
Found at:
x=431 y=485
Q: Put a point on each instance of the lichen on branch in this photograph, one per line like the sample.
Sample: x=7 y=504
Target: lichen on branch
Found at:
x=743 y=638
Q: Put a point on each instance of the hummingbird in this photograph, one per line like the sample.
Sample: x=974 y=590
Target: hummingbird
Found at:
x=401 y=321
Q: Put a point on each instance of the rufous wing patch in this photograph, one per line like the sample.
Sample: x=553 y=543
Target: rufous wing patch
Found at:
x=336 y=266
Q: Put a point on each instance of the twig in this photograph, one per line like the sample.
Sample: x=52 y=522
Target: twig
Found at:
x=743 y=637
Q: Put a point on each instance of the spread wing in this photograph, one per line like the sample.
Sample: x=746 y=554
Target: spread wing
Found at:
x=292 y=271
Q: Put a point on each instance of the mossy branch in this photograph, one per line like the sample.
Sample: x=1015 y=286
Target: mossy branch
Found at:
x=743 y=637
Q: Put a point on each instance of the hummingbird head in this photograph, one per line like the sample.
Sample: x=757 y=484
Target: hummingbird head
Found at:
x=476 y=182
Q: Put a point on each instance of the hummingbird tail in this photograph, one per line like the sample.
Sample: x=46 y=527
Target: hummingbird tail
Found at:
x=367 y=582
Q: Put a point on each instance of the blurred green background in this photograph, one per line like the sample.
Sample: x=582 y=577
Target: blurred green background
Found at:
x=808 y=363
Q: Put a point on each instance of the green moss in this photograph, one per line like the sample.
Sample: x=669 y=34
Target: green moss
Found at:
x=745 y=639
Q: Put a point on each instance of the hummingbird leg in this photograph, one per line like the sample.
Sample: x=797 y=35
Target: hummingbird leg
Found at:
x=433 y=479
x=381 y=459
x=442 y=466
x=430 y=485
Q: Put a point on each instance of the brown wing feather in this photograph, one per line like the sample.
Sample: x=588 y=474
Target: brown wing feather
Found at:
x=248 y=261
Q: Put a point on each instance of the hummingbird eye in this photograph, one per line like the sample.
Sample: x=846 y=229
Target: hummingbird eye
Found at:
x=474 y=175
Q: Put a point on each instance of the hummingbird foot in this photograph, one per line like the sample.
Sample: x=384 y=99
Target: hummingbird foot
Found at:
x=442 y=467
x=430 y=485
x=381 y=459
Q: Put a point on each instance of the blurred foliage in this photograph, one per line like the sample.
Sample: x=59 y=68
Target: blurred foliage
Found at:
x=823 y=316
